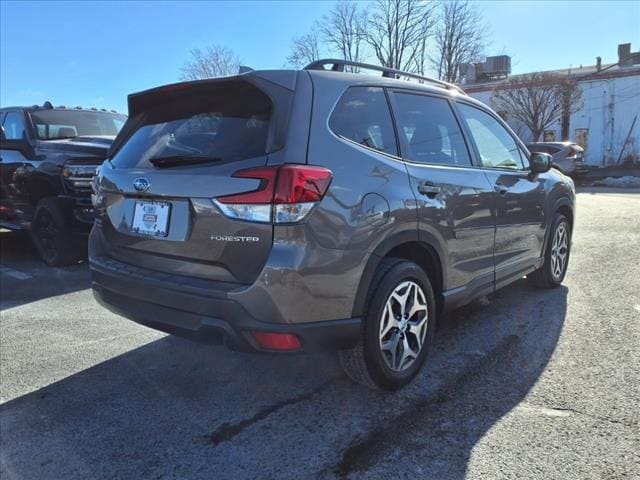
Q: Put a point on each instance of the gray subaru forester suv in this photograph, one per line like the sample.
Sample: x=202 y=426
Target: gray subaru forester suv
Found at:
x=296 y=211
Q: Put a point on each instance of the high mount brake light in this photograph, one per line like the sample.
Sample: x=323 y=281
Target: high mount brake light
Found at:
x=286 y=194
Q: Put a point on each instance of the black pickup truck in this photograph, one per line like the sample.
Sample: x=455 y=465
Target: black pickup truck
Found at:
x=48 y=156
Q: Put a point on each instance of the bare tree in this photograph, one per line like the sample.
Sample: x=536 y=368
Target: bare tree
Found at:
x=343 y=30
x=538 y=100
x=305 y=49
x=213 y=61
x=397 y=31
x=459 y=38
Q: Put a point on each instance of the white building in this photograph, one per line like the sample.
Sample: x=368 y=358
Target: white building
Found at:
x=609 y=116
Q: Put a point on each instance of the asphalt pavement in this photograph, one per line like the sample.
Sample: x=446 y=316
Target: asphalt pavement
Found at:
x=523 y=384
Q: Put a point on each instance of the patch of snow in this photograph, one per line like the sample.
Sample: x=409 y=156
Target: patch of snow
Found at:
x=621 y=182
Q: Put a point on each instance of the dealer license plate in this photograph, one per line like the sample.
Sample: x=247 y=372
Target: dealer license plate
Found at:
x=151 y=218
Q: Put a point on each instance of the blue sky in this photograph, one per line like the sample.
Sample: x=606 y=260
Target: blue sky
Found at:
x=95 y=53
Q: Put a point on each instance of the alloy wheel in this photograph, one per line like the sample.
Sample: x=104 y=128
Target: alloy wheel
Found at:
x=559 y=251
x=47 y=233
x=403 y=326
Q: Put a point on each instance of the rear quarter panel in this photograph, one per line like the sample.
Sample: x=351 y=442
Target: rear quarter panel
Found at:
x=315 y=269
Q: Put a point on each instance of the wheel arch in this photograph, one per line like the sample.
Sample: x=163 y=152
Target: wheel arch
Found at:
x=41 y=186
x=562 y=205
x=422 y=248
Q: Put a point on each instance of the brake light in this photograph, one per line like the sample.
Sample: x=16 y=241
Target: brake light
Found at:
x=298 y=184
x=277 y=341
x=286 y=194
x=264 y=193
x=572 y=153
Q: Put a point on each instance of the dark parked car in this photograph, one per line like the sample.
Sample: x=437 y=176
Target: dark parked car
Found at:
x=47 y=159
x=292 y=211
x=567 y=157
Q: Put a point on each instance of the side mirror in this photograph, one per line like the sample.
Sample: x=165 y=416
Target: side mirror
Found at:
x=540 y=162
x=23 y=146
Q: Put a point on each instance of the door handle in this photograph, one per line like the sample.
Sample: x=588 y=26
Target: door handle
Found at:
x=429 y=189
x=501 y=189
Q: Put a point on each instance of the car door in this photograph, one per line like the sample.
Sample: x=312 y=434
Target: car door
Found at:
x=454 y=197
x=13 y=157
x=519 y=196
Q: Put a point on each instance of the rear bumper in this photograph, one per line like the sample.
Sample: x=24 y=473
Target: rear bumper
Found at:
x=580 y=169
x=205 y=315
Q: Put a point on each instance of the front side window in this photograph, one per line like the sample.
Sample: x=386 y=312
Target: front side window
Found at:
x=431 y=133
x=14 y=126
x=58 y=124
x=362 y=115
x=497 y=148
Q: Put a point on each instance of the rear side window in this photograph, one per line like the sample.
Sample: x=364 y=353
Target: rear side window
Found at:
x=362 y=115
x=228 y=122
x=429 y=130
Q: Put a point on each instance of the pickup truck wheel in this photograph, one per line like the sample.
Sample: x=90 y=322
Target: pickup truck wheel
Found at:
x=556 y=257
x=398 y=328
x=52 y=236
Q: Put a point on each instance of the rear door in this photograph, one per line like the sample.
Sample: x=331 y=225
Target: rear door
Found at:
x=182 y=149
x=454 y=197
x=520 y=197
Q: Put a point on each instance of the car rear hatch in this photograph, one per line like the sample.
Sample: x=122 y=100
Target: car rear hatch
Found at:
x=181 y=149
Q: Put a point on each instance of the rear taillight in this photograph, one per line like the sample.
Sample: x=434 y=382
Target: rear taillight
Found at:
x=572 y=153
x=286 y=194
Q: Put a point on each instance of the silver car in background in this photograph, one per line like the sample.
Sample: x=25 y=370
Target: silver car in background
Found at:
x=568 y=157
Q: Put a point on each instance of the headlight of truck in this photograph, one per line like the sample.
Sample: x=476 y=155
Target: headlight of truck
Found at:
x=79 y=175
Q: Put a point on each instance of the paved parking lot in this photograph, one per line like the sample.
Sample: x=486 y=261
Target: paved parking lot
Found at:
x=522 y=384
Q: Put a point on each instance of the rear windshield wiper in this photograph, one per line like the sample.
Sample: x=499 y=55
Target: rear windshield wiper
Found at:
x=177 y=160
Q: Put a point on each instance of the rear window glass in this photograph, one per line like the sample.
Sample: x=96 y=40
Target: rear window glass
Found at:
x=58 y=124
x=543 y=148
x=362 y=115
x=228 y=123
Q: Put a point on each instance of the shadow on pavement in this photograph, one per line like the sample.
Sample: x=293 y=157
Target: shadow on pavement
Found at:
x=24 y=278
x=175 y=409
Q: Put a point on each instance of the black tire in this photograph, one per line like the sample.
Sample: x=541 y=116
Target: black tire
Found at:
x=52 y=236
x=545 y=277
x=366 y=363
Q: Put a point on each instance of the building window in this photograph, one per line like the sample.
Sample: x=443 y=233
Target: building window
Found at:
x=582 y=137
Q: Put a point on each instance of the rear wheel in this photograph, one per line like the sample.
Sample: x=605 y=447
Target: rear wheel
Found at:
x=398 y=328
x=52 y=236
x=556 y=258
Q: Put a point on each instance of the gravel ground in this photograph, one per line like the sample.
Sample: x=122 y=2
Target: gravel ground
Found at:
x=522 y=384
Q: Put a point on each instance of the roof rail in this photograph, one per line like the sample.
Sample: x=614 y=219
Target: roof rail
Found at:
x=338 y=66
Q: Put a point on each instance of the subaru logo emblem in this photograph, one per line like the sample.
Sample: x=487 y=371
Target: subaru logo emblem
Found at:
x=141 y=184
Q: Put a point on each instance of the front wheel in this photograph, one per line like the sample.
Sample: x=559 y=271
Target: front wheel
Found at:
x=556 y=257
x=398 y=327
x=52 y=236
